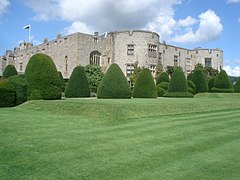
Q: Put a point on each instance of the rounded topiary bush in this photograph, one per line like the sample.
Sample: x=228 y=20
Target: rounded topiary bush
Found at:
x=160 y=91
x=164 y=85
x=191 y=87
x=211 y=83
x=163 y=77
x=200 y=81
x=43 y=78
x=178 y=85
x=10 y=70
x=145 y=86
x=78 y=84
x=237 y=86
x=222 y=83
x=114 y=84
x=189 y=76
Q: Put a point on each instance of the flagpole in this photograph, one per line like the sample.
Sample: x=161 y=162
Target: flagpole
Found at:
x=29 y=33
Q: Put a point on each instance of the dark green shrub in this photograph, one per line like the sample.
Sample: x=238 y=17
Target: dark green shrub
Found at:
x=10 y=70
x=160 y=91
x=145 y=86
x=237 y=86
x=114 y=84
x=200 y=81
x=164 y=85
x=211 y=83
x=7 y=97
x=78 y=84
x=163 y=77
x=178 y=85
x=94 y=75
x=42 y=77
x=191 y=87
x=189 y=76
x=222 y=83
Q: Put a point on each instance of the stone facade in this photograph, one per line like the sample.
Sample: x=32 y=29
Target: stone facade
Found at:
x=125 y=48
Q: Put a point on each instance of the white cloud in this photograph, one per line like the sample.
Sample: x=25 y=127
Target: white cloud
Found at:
x=78 y=27
x=232 y=71
x=189 y=21
x=4 y=4
x=232 y=1
x=210 y=28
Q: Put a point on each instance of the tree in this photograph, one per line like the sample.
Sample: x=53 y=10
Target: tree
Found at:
x=170 y=70
x=222 y=83
x=200 y=81
x=78 y=84
x=94 y=75
x=43 y=78
x=114 y=84
x=10 y=70
x=135 y=74
x=145 y=86
x=159 y=68
x=178 y=85
x=163 y=77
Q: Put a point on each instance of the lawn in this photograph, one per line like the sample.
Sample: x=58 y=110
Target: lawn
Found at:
x=196 y=138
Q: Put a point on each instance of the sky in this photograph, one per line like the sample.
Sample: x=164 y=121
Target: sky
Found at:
x=185 y=23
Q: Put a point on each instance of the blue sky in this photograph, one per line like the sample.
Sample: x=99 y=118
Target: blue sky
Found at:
x=185 y=23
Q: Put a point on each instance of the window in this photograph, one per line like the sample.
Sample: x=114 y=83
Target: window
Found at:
x=175 y=61
x=152 y=50
x=152 y=68
x=130 y=49
x=208 y=62
x=129 y=69
x=20 y=66
x=95 y=57
x=95 y=40
x=66 y=63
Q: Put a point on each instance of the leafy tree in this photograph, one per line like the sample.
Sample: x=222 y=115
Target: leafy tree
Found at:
x=178 y=85
x=200 y=81
x=94 y=75
x=208 y=71
x=114 y=84
x=43 y=78
x=163 y=77
x=145 y=86
x=78 y=84
x=170 y=70
x=222 y=83
x=135 y=74
x=159 y=68
x=10 y=70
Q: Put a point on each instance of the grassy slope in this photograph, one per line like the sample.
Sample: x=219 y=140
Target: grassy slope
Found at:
x=122 y=139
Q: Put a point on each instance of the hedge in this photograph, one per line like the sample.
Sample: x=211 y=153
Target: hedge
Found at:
x=237 y=86
x=211 y=82
x=163 y=77
x=191 y=87
x=62 y=81
x=200 y=81
x=145 y=86
x=114 y=84
x=164 y=85
x=160 y=91
x=178 y=85
x=43 y=78
x=78 y=84
x=9 y=71
x=222 y=83
x=7 y=97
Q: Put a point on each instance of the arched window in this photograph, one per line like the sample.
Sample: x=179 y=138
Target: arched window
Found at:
x=95 y=57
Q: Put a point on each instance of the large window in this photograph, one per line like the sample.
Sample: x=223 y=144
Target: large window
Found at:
x=129 y=69
x=175 y=61
x=208 y=62
x=152 y=68
x=152 y=50
x=130 y=49
x=95 y=58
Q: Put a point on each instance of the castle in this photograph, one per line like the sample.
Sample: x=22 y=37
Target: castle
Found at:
x=126 y=48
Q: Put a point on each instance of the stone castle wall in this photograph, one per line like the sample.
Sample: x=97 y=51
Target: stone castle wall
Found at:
x=123 y=47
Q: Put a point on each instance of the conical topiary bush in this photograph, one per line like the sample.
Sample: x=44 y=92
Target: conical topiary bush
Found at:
x=78 y=84
x=114 y=84
x=9 y=71
x=43 y=78
x=163 y=77
x=145 y=86
x=178 y=85
x=222 y=83
x=200 y=81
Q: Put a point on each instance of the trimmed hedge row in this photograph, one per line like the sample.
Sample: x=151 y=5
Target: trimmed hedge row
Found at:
x=145 y=86
x=114 y=84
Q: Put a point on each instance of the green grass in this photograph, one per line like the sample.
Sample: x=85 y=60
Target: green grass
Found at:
x=122 y=139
